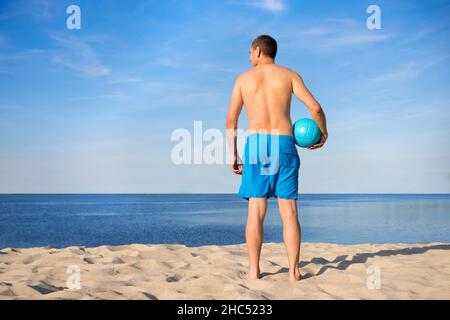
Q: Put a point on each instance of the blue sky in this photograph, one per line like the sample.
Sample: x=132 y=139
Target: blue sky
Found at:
x=92 y=110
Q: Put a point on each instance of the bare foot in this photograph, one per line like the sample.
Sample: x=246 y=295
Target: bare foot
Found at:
x=252 y=275
x=295 y=276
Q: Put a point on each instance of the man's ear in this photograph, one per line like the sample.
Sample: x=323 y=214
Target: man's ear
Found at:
x=259 y=51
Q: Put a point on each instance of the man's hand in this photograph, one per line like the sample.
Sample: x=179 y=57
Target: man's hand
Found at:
x=236 y=165
x=320 y=143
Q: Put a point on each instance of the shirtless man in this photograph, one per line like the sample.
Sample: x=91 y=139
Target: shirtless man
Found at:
x=266 y=90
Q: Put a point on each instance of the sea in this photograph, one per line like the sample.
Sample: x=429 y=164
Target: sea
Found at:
x=61 y=220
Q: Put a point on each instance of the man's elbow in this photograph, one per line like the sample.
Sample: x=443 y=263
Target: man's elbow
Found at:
x=316 y=108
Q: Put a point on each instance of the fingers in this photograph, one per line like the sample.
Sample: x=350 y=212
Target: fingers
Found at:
x=237 y=169
x=316 y=146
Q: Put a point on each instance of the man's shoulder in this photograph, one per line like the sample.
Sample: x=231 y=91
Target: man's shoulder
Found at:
x=282 y=70
x=243 y=76
x=287 y=70
x=246 y=73
x=256 y=72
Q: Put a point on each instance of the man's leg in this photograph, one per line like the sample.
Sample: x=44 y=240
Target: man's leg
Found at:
x=254 y=233
x=291 y=235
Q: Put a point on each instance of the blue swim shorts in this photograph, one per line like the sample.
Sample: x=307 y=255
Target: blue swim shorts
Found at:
x=270 y=167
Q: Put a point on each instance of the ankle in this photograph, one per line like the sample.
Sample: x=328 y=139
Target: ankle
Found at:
x=295 y=270
x=254 y=269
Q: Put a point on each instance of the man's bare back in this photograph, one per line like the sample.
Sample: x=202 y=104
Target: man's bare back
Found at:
x=266 y=91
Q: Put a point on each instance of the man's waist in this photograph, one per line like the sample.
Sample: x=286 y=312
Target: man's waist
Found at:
x=271 y=131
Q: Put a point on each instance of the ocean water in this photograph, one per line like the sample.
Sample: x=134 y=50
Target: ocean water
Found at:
x=204 y=219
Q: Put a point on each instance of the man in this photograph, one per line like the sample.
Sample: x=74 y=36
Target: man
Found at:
x=266 y=90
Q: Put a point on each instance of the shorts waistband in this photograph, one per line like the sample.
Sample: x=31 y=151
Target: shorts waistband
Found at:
x=269 y=141
x=280 y=136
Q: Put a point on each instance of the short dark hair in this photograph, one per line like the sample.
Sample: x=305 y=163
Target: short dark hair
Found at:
x=267 y=44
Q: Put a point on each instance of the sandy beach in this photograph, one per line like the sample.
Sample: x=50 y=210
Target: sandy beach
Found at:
x=167 y=271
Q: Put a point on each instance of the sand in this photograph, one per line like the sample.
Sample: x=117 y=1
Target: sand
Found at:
x=172 y=271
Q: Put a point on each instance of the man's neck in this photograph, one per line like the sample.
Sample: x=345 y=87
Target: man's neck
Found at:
x=265 y=61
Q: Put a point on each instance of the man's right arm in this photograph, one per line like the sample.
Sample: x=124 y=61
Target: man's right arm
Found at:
x=234 y=111
x=301 y=92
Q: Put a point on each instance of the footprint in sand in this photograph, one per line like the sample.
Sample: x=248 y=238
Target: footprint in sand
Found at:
x=173 y=278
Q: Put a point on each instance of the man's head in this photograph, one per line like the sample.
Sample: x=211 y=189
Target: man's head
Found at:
x=264 y=47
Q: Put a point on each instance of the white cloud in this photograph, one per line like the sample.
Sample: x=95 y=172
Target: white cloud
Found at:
x=169 y=62
x=406 y=71
x=126 y=79
x=77 y=54
x=354 y=39
x=20 y=55
x=317 y=31
x=41 y=8
x=271 y=5
x=320 y=35
x=394 y=112
x=214 y=67
x=409 y=71
x=118 y=96
x=424 y=32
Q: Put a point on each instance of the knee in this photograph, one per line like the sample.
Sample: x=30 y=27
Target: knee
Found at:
x=256 y=219
x=288 y=213
x=257 y=211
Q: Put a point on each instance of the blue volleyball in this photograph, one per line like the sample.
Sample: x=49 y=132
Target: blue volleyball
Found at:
x=306 y=132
